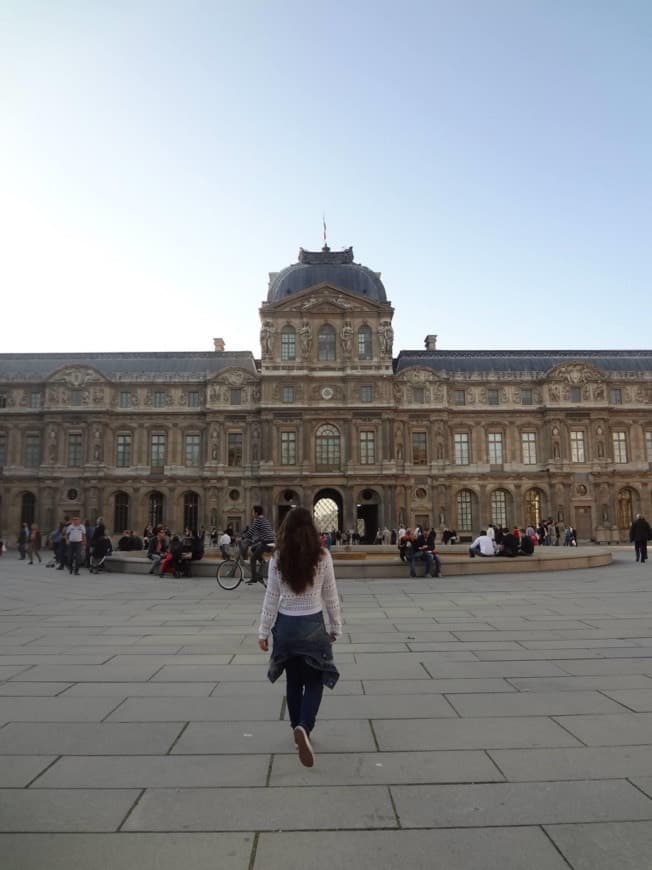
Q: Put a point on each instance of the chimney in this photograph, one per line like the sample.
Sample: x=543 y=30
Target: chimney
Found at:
x=431 y=342
x=218 y=345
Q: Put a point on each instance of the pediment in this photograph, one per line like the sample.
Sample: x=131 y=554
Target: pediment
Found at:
x=417 y=375
x=324 y=299
x=234 y=377
x=76 y=376
x=575 y=373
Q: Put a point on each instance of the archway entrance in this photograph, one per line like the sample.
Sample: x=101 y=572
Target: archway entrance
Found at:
x=327 y=510
x=287 y=500
x=367 y=515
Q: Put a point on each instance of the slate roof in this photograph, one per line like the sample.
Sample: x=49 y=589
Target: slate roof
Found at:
x=335 y=268
x=534 y=362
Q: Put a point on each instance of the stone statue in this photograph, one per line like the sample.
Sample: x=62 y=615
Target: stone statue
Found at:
x=386 y=337
x=346 y=335
x=267 y=338
x=305 y=334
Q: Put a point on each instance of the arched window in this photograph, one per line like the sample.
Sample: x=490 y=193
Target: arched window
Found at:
x=533 y=507
x=464 y=510
x=288 y=343
x=327 y=446
x=28 y=508
x=364 y=342
x=327 y=343
x=121 y=513
x=625 y=508
x=191 y=511
x=499 y=508
x=156 y=502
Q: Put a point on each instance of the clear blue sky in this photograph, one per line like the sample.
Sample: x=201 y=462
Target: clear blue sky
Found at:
x=492 y=158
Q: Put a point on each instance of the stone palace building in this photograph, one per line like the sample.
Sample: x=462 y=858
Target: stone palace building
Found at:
x=329 y=417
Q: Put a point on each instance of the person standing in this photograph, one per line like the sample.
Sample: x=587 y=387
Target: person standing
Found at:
x=34 y=544
x=23 y=540
x=639 y=534
x=76 y=538
x=301 y=582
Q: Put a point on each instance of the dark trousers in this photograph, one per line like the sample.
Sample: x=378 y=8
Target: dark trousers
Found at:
x=74 y=555
x=641 y=550
x=304 y=690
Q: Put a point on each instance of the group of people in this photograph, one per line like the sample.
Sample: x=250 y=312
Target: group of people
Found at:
x=417 y=545
x=72 y=543
x=172 y=554
x=500 y=541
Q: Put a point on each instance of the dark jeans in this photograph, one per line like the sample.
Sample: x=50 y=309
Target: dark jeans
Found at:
x=641 y=550
x=422 y=555
x=304 y=690
x=74 y=555
x=255 y=556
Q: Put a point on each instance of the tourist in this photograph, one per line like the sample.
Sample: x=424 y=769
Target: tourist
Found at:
x=482 y=546
x=639 y=534
x=34 y=544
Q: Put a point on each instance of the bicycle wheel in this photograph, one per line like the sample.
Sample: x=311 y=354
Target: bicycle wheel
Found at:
x=229 y=574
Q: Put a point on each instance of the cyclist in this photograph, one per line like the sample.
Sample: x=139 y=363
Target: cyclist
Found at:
x=256 y=537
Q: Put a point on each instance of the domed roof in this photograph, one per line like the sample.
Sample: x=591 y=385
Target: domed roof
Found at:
x=335 y=268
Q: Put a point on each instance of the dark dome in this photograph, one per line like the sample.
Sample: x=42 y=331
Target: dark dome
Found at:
x=326 y=267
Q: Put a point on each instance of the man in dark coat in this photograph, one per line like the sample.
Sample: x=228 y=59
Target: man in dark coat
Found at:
x=639 y=534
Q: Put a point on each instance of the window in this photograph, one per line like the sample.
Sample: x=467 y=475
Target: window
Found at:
x=288 y=343
x=288 y=448
x=620 y=446
x=327 y=343
x=236 y=396
x=193 y=399
x=159 y=399
x=288 y=394
x=32 y=450
x=459 y=397
x=576 y=395
x=193 y=451
x=3 y=449
x=419 y=448
x=418 y=395
x=28 y=508
x=495 y=448
x=75 y=397
x=121 y=512
x=125 y=399
x=499 y=508
x=158 y=445
x=123 y=450
x=529 y=448
x=74 y=449
x=3 y=400
x=35 y=400
x=191 y=511
x=327 y=446
x=234 y=449
x=492 y=397
x=156 y=503
x=526 y=396
x=577 y=445
x=616 y=396
x=464 y=510
x=461 y=440
x=367 y=448
x=366 y=393
x=533 y=507
x=364 y=343
x=648 y=446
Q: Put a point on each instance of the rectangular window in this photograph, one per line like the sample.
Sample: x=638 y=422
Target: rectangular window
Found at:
x=3 y=400
x=288 y=394
x=236 y=396
x=288 y=344
x=367 y=448
x=366 y=393
x=123 y=450
x=234 y=449
x=75 y=397
x=577 y=445
x=35 y=400
x=620 y=446
x=495 y=448
x=193 y=399
x=492 y=397
x=648 y=446
x=32 y=450
x=418 y=395
x=326 y=343
x=459 y=397
x=462 y=456
x=526 y=396
x=576 y=395
x=193 y=449
x=3 y=449
x=616 y=396
x=288 y=448
x=125 y=399
x=419 y=448
x=159 y=399
x=74 y=449
x=158 y=444
x=529 y=446
x=364 y=343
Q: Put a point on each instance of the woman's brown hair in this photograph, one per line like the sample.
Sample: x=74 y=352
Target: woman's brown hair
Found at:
x=299 y=549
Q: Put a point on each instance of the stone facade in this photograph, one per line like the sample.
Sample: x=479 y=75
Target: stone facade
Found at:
x=456 y=438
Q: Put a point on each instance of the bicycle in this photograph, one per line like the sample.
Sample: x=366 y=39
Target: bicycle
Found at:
x=231 y=572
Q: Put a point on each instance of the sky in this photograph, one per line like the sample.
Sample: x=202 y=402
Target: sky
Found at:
x=158 y=158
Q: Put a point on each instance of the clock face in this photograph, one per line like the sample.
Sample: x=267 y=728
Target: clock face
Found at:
x=326 y=393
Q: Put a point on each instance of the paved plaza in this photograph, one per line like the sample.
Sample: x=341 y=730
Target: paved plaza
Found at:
x=480 y=723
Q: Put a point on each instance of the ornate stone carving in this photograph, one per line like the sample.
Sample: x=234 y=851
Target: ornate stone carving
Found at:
x=385 y=337
x=346 y=337
x=267 y=338
x=305 y=337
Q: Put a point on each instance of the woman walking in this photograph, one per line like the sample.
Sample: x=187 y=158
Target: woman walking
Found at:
x=34 y=544
x=301 y=580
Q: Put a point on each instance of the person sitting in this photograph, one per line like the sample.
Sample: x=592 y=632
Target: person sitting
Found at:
x=420 y=551
x=257 y=537
x=509 y=544
x=452 y=537
x=436 y=561
x=482 y=546
x=225 y=543
x=170 y=562
x=405 y=545
x=527 y=546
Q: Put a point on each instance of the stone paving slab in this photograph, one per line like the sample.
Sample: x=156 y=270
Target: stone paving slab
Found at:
x=411 y=687
x=581 y=684
x=273 y=737
x=604 y=762
x=88 y=739
x=628 y=729
x=54 y=709
x=604 y=846
x=25 y=690
x=470 y=849
x=139 y=690
x=64 y=809
x=125 y=851
x=197 y=710
x=263 y=809
x=17 y=771
x=638 y=700
x=533 y=704
x=385 y=706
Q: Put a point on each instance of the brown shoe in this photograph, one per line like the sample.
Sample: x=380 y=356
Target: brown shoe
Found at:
x=306 y=755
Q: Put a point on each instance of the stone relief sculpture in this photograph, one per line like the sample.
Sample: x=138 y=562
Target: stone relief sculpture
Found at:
x=346 y=336
x=267 y=338
x=305 y=336
x=385 y=337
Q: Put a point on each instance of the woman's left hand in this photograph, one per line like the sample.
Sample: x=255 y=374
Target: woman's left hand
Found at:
x=263 y=644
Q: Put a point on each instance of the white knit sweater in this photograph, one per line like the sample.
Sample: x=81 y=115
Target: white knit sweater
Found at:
x=279 y=598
